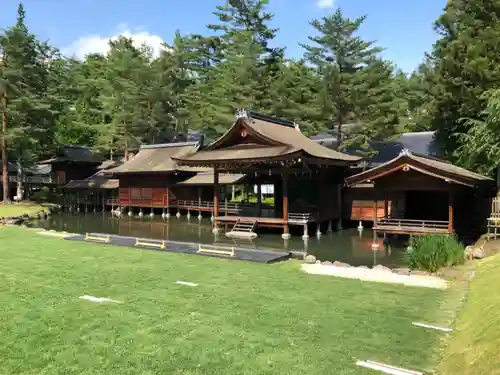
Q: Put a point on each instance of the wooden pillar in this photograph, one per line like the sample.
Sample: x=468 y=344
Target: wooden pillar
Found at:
x=450 y=211
x=259 y=199
x=216 y=199
x=374 y=244
x=286 y=234
x=225 y=200
x=386 y=205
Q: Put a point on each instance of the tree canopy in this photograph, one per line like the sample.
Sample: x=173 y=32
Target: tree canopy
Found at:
x=340 y=85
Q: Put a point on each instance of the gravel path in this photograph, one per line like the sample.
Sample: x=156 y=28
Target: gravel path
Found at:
x=381 y=276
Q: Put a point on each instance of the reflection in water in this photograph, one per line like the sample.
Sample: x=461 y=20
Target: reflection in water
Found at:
x=350 y=246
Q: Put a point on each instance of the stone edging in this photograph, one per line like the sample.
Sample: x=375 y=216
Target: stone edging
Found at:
x=311 y=259
x=19 y=220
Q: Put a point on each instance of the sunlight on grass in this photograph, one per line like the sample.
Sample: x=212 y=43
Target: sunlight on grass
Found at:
x=475 y=345
x=15 y=209
x=241 y=318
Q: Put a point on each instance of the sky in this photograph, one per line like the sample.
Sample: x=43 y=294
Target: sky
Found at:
x=403 y=27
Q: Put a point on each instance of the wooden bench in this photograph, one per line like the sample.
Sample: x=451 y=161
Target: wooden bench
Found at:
x=150 y=243
x=217 y=250
x=97 y=237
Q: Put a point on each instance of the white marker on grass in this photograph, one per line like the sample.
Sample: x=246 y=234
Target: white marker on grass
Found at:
x=387 y=369
x=430 y=326
x=186 y=283
x=98 y=299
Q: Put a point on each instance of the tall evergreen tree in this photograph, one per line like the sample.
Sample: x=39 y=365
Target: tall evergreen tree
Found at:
x=293 y=95
x=343 y=61
x=122 y=97
x=26 y=102
x=465 y=63
x=479 y=148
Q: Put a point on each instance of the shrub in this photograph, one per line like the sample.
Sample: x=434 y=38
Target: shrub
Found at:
x=430 y=253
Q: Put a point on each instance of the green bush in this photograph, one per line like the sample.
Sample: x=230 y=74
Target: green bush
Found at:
x=431 y=253
x=44 y=194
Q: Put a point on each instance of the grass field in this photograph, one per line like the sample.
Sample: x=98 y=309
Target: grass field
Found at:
x=242 y=318
x=474 y=347
x=19 y=209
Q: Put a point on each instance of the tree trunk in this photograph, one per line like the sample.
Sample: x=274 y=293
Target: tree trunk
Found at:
x=20 y=182
x=339 y=133
x=125 y=152
x=3 y=147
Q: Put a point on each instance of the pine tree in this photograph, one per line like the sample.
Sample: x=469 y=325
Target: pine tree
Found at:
x=480 y=146
x=293 y=95
x=178 y=69
x=465 y=63
x=341 y=59
x=122 y=98
x=231 y=84
x=26 y=102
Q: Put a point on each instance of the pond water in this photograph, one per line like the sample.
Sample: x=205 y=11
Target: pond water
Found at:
x=348 y=245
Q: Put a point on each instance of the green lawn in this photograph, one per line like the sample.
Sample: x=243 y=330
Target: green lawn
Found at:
x=242 y=318
x=474 y=347
x=19 y=209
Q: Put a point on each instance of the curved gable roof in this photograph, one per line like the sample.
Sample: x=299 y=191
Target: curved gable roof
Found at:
x=269 y=138
x=423 y=164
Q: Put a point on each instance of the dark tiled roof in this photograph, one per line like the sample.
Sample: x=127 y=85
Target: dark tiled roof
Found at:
x=100 y=180
x=207 y=178
x=422 y=143
x=75 y=154
x=157 y=158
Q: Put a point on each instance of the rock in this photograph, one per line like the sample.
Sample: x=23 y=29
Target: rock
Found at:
x=401 y=271
x=478 y=253
x=310 y=259
x=318 y=262
x=327 y=263
x=14 y=221
x=341 y=264
x=380 y=267
x=363 y=267
x=468 y=252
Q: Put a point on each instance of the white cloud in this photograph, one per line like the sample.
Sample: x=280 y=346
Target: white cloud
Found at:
x=100 y=43
x=325 y=3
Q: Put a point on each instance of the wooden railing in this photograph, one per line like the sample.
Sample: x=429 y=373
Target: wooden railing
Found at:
x=495 y=208
x=34 y=179
x=298 y=218
x=113 y=201
x=208 y=206
x=409 y=225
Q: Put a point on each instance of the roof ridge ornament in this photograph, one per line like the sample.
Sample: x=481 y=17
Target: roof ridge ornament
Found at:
x=404 y=152
x=241 y=113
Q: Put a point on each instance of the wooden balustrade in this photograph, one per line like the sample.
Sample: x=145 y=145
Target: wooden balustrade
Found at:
x=299 y=218
x=33 y=179
x=197 y=205
x=410 y=226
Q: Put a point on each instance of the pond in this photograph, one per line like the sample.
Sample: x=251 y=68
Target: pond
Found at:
x=349 y=245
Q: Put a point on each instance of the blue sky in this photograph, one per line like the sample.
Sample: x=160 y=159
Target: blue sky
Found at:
x=402 y=27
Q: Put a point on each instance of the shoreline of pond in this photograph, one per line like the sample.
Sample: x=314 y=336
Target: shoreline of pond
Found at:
x=348 y=246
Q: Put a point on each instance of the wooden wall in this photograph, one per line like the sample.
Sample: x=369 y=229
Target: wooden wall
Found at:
x=357 y=203
x=149 y=190
x=65 y=172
